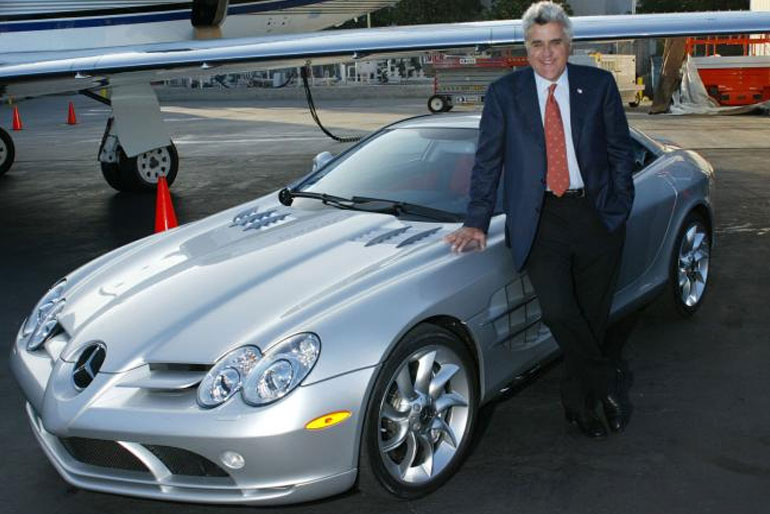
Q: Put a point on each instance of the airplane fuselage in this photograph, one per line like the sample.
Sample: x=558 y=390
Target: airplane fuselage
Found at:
x=56 y=25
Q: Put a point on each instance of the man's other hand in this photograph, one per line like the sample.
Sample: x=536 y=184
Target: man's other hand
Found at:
x=466 y=237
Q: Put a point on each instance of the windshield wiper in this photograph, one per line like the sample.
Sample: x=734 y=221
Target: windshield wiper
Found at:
x=397 y=207
x=286 y=196
x=363 y=203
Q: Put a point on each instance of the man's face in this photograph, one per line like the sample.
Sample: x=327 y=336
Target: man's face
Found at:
x=547 y=50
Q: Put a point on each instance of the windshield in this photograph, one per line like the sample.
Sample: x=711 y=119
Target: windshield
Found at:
x=430 y=167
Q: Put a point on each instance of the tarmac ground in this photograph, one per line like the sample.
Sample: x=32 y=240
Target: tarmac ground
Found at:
x=699 y=440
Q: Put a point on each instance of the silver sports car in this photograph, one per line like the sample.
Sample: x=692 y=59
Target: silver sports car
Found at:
x=321 y=336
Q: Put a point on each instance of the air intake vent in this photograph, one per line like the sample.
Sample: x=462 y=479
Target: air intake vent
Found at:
x=105 y=454
x=390 y=234
x=110 y=454
x=252 y=219
x=182 y=462
x=417 y=237
x=400 y=237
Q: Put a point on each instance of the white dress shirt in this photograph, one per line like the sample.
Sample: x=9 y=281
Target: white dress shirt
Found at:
x=561 y=93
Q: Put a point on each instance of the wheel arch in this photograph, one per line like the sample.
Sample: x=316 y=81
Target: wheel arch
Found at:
x=706 y=213
x=456 y=327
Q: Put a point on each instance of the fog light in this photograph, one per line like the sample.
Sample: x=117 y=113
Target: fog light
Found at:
x=232 y=460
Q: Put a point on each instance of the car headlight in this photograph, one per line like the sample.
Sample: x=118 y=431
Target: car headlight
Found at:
x=226 y=377
x=44 y=317
x=261 y=379
x=282 y=369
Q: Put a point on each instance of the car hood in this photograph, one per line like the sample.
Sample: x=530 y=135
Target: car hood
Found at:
x=240 y=277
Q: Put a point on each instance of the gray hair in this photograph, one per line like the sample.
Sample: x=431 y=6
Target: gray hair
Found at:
x=546 y=12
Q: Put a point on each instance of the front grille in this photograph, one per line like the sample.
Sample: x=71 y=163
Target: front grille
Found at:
x=105 y=454
x=182 y=462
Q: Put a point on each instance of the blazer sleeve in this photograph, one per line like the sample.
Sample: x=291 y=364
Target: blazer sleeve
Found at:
x=619 y=147
x=488 y=164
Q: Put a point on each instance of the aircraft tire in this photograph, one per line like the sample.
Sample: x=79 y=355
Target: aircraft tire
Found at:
x=141 y=173
x=7 y=151
x=111 y=174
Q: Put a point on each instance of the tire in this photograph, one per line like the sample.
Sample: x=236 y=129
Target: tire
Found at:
x=689 y=268
x=420 y=416
x=111 y=174
x=141 y=173
x=437 y=104
x=7 y=152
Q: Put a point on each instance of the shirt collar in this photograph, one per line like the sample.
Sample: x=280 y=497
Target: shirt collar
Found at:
x=543 y=84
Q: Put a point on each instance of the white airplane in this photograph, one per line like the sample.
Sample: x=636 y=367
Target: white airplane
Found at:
x=36 y=31
x=136 y=149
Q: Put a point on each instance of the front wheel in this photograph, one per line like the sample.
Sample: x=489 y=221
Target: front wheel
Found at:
x=7 y=151
x=420 y=416
x=689 y=271
x=141 y=173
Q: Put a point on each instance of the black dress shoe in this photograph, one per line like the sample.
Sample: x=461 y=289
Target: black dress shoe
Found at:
x=588 y=423
x=617 y=405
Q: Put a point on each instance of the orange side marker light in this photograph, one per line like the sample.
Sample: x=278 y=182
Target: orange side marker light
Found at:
x=328 y=420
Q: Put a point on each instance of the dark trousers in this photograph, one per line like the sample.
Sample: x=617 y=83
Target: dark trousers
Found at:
x=574 y=266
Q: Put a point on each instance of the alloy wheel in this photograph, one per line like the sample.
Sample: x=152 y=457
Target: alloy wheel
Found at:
x=424 y=415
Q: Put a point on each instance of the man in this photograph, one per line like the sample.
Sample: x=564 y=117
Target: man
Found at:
x=558 y=134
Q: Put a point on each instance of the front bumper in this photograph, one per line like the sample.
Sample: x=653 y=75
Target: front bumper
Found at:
x=284 y=462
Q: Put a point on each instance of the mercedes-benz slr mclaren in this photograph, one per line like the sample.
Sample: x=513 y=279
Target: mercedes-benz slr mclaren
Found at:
x=321 y=336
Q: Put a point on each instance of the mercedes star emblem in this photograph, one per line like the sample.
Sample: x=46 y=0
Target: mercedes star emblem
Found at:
x=88 y=365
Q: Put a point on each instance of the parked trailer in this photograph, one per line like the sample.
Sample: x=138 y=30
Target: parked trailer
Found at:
x=463 y=79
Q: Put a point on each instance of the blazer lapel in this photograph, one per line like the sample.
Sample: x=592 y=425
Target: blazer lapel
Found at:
x=577 y=103
x=530 y=107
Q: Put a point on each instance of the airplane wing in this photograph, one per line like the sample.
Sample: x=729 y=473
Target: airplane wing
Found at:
x=30 y=74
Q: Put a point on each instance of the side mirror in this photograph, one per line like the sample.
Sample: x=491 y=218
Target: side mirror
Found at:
x=321 y=160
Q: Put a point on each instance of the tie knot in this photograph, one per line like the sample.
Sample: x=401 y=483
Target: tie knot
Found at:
x=551 y=89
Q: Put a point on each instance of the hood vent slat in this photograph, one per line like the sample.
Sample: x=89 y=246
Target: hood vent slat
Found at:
x=417 y=237
x=252 y=219
x=388 y=235
x=266 y=221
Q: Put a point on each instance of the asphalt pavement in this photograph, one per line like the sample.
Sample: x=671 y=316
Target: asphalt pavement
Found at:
x=699 y=440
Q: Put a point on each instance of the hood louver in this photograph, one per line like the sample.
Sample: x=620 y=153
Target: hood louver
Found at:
x=400 y=237
x=252 y=219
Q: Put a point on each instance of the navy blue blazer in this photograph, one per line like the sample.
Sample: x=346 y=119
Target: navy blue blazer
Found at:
x=512 y=143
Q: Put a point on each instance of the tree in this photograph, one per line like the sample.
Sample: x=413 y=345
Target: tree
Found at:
x=514 y=9
x=417 y=12
x=650 y=6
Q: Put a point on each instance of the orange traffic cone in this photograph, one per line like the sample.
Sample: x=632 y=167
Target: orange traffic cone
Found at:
x=71 y=118
x=16 y=119
x=164 y=209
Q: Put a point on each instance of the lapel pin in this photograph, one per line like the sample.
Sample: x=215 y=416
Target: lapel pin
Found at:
x=580 y=91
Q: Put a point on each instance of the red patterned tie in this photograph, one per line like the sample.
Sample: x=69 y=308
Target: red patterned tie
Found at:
x=555 y=146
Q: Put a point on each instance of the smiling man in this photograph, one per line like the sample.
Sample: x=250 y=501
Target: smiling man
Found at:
x=558 y=135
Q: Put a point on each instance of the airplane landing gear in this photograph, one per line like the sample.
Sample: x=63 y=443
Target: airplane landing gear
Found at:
x=7 y=151
x=138 y=173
